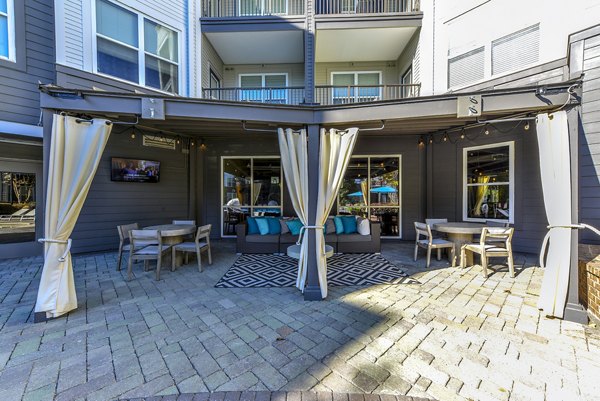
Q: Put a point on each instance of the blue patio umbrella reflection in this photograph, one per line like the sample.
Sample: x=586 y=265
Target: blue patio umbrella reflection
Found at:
x=383 y=190
x=355 y=194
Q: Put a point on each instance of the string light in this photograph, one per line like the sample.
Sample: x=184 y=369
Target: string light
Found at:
x=462 y=133
x=487 y=131
x=446 y=137
x=202 y=146
x=133 y=133
x=526 y=126
x=421 y=142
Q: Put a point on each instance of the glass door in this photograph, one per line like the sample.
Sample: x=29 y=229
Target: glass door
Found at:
x=251 y=186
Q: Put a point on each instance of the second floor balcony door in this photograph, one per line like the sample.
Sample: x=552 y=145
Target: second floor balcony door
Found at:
x=356 y=87
x=264 y=88
x=263 y=7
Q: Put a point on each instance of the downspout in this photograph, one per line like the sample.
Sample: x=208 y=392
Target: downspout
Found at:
x=433 y=50
x=186 y=11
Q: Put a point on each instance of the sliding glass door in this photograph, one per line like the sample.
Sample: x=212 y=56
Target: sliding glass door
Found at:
x=251 y=186
x=372 y=188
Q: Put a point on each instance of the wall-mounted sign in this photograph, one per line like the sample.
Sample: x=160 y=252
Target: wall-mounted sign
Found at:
x=469 y=106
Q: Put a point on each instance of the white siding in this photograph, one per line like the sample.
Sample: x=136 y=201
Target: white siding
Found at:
x=73 y=33
x=466 y=68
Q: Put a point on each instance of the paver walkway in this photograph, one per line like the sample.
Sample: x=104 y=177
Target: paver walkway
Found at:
x=454 y=336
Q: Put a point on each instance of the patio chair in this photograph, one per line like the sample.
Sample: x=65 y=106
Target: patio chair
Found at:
x=186 y=222
x=18 y=215
x=146 y=245
x=429 y=242
x=124 y=241
x=197 y=246
x=488 y=247
x=431 y=222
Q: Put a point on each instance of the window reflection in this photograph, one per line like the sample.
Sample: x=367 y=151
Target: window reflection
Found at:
x=17 y=207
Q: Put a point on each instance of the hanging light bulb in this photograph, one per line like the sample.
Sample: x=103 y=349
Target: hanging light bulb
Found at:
x=178 y=140
x=430 y=139
x=421 y=142
x=445 y=137
x=487 y=131
x=526 y=126
x=133 y=133
x=202 y=146
x=462 y=133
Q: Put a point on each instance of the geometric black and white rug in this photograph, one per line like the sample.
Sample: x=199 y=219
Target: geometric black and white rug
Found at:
x=349 y=269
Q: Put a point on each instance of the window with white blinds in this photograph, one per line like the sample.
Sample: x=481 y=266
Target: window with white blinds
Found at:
x=466 y=68
x=517 y=50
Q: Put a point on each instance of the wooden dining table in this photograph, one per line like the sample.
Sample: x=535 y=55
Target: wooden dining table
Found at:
x=459 y=233
x=173 y=234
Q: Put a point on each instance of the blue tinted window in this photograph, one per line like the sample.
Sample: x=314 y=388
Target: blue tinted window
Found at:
x=116 y=23
x=118 y=61
x=3 y=6
x=3 y=36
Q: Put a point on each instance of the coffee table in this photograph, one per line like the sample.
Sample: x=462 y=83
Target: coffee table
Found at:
x=294 y=251
x=459 y=233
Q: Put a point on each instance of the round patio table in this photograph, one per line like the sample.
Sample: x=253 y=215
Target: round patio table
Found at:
x=294 y=251
x=173 y=234
x=460 y=234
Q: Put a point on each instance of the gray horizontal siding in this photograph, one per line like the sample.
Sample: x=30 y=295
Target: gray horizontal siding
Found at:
x=110 y=204
x=589 y=152
x=19 y=95
x=210 y=59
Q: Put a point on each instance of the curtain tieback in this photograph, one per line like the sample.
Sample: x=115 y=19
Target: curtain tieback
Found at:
x=59 y=241
x=580 y=226
x=302 y=232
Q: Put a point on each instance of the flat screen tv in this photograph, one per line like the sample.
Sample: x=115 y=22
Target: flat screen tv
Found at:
x=134 y=170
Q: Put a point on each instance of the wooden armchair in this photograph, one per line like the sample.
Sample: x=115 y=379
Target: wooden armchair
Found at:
x=494 y=242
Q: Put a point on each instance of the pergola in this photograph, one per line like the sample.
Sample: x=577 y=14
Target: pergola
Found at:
x=412 y=116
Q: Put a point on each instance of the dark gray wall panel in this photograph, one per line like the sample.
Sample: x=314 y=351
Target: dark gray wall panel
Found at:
x=34 y=21
x=113 y=203
x=589 y=140
x=530 y=217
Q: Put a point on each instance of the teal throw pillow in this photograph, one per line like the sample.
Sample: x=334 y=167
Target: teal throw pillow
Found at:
x=263 y=226
x=339 y=225
x=252 y=226
x=274 y=226
x=294 y=225
x=349 y=223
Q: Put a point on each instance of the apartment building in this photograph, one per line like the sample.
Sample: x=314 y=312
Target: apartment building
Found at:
x=26 y=60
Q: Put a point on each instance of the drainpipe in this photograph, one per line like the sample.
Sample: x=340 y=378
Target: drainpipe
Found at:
x=186 y=16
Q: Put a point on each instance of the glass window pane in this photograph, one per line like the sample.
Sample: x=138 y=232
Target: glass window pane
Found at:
x=3 y=6
x=251 y=81
x=343 y=79
x=3 y=36
x=368 y=79
x=116 y=22
x=162 y=74
x=488 y=202
x=17 y=207
x=384 y=181
x=118 y=61
x=488 y=165
x=389 y=219
x=275 y=81
x=267 y=182
x=236 y=182
x=160 y=41
x=354 y=190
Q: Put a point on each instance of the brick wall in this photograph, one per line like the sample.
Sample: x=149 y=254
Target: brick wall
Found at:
x=589 y=279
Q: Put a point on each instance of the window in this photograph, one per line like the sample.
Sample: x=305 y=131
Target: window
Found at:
x=488 y=176
x=407 y=79
x=135 y=49
x=371 y=188
x=516 y=51
x=466 y=68
x=17 y=207
x=7 y=30
x=356 y=87
x=251 y=187
x=214 y=85
x=264 y=88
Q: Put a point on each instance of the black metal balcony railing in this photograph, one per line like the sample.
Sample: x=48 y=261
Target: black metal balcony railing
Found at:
x=275 y=95
x=330 y=94
x=251 y=8
x=366 y=6
x=324 y=94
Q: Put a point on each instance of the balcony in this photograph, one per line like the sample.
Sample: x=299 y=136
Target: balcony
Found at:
x=251 y=8
x=330 y=94
x=324 y=7
x=290 y=95
x=324 y=94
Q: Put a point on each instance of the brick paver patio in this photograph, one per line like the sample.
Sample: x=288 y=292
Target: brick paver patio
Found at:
x=454 y=336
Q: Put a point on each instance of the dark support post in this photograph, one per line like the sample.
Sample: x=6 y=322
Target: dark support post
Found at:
x=312 y=290
x=574 y=311
x=429 y=180
x=47 y=116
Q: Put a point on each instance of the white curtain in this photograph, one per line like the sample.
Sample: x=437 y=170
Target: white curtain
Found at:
x=334 y=156
x=555 y=168
x=75 y=151
x=293 y=147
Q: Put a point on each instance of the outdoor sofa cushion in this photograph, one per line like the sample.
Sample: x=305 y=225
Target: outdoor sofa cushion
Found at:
x=252 y=226
x=363 y=226
x=349 y=223
x=269 y=239
x=294 y=225
x=354 y=238
x=339 y=225
x=263 y=226
x=274 y=226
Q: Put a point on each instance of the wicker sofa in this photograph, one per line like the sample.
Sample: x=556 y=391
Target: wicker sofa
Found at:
x=278 y=243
